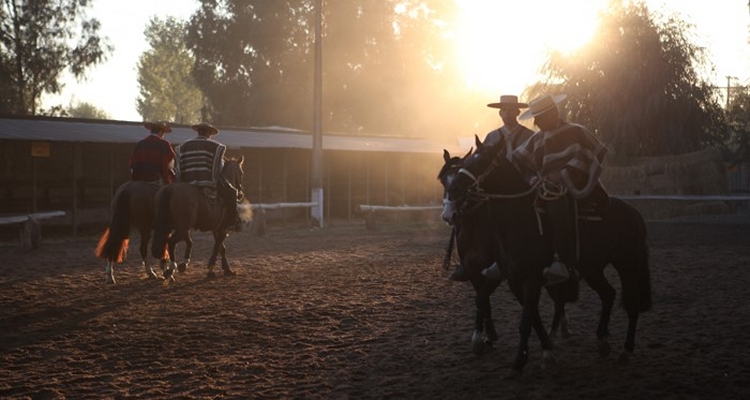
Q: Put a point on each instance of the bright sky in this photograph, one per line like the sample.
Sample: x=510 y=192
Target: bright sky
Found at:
x=491 y=29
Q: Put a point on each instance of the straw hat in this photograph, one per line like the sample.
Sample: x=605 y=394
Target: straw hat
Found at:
x=506 y=101
x=205 y=126
x=542 y=104
x=160 y=125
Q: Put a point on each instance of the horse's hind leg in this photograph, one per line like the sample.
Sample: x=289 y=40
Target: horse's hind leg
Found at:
x=606 y=292
x=145 y=239
x=187 y=254
x=109 y=270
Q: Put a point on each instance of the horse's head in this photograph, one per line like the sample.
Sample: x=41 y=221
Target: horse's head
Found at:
x=447 y=174
x=485 y=171
x=233 y=172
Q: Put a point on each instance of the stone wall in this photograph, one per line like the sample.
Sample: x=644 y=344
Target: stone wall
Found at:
x=698 y=173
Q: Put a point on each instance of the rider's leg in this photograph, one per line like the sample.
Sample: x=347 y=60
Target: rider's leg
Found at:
x=558 y=214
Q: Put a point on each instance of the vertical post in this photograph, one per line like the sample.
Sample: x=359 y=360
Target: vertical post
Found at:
x=33 y=203
x=729 y=84
x=317 y=147
x=75 y=188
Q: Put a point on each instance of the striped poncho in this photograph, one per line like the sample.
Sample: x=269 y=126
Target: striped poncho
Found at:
x=570 y=150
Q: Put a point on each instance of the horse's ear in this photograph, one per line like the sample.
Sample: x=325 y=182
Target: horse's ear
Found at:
x=241 y=160
x=446 y=155
x=469 y=153
x=477 y=141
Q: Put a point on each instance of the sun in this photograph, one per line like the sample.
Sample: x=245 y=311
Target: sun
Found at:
x=501 y=44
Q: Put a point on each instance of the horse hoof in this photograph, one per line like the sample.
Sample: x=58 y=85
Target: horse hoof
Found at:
x=478 y=347
x=624 y=358
x=604 y=348
x=182 y=267
x=229 y=272
x=514 y=374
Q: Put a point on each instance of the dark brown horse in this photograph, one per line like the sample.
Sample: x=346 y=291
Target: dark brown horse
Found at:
x=182 y=207
x=618 y=238
x=473 y=234
x=132 y=207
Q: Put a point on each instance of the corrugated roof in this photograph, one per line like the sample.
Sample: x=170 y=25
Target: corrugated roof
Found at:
x=103 y=131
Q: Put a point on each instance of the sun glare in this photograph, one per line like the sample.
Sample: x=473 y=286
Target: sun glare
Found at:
x=501 y=44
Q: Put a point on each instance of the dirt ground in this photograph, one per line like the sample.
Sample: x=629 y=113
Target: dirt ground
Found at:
x=346 y=312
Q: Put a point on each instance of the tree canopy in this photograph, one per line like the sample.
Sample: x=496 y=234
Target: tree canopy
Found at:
x=167 y=88
x=86 y=110
x=39 y=40
x=385 y=62
x=639 y=86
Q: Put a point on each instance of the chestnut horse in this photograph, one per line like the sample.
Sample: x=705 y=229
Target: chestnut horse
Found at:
x=132 y=207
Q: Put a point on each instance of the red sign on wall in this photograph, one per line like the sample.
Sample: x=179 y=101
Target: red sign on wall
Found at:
x=40 y=149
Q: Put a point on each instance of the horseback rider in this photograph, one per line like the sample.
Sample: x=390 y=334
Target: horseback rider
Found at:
x=513 y=134
x=200 y=162
x=567 y=159
x=152 y=159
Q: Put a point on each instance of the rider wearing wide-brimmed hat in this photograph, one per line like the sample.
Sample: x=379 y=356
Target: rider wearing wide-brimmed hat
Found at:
x=152 y=159
x=566 y=158
x=200 y=162
x=513 y=134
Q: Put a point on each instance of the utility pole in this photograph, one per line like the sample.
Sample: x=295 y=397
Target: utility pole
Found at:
x=729 y=86
x=317 y=145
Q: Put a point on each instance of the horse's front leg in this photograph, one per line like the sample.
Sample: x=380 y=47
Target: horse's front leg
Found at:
x=219 y=237
x=529 y=318
x=484 y=335
x=224 y=262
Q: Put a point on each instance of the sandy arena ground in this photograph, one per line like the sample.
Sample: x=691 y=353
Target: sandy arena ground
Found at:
x=345 y=312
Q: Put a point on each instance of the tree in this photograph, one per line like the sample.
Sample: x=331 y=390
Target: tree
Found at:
x=738 y=118
x=385 y=64
x=86 y=110
x=39 y=39
x=167 y=88
x=637 y=85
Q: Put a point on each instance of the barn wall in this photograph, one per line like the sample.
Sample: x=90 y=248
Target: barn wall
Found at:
x=94 y=171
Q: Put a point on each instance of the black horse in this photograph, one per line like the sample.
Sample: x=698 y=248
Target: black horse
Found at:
x=618 y=238
x=473 y=234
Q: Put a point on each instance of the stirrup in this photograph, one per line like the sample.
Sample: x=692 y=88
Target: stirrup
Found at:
x=556 y=273
x=493 y=272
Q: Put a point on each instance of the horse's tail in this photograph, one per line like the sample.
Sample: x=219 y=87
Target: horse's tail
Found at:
x=113 y=245
x=639 y=300
x=162 y=224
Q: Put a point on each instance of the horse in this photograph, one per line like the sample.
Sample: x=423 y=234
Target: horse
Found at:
x=182 y=207
x=473 y=236
x=132 y=207
x=617 y=239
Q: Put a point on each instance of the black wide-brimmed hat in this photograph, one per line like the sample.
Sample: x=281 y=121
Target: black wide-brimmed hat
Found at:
x=508 y=101
x=160 y=125
x=205 y=126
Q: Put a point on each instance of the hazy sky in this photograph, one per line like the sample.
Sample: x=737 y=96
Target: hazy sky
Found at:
x=487 y=25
